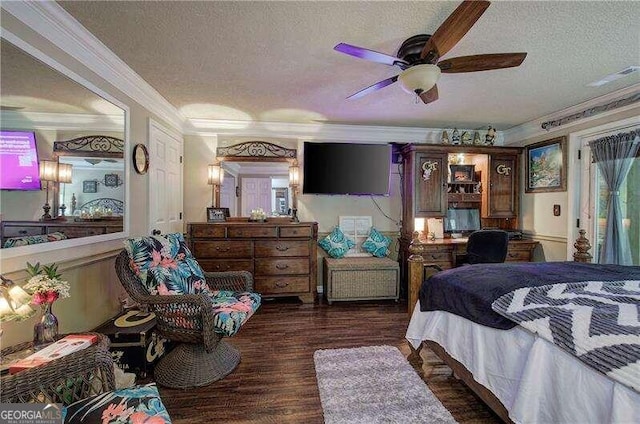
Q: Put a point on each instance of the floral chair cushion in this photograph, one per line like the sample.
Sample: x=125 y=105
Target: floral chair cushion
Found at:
x=231 y=310
x=377 y=244
x=164 y=264
x=140 y=404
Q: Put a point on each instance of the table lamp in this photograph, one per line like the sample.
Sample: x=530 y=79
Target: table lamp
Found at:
x=64 y=177
x=48 y=172
x=14 y=301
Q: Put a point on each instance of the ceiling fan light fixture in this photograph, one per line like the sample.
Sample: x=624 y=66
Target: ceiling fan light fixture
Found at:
x=419 y=78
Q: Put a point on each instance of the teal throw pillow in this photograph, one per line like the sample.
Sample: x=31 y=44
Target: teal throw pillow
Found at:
x=377 y=244
x=336 y=244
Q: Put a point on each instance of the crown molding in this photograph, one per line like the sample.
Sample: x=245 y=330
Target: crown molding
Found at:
x=61 y=121
x=319 y=131
x=515 y=135
x=52 y=22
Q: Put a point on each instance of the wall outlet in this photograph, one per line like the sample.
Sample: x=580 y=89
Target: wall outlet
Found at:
x=556 y=210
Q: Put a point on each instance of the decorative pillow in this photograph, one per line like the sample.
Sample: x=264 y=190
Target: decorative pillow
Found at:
x=336 y=244
x=165 y=265
x=140 y=404
x=377 y=244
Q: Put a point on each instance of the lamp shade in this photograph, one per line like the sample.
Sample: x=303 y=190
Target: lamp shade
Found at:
x=419 y=78
x=215 y=173
x=294 y=175
x=64 y=172
x=48 y=170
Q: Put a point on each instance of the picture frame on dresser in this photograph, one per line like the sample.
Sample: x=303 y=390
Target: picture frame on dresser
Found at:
x=217 y=214
x=546 y=166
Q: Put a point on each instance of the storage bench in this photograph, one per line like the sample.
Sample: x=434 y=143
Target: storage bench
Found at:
x=359 y=278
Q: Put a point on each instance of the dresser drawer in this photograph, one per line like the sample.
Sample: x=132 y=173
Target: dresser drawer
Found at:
x=282 y=266
x=9 y=231
x=222 y=249
x=221 y=265
x=207 y=231
x=251 y=232
x=75 y=232
x=518 y=255
x=295 y=232
x=266 y=249
x=436 y=256
x=281 y=285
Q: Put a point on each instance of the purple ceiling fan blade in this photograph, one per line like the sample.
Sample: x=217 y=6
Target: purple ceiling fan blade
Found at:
x=370 y=55
x=375 y=87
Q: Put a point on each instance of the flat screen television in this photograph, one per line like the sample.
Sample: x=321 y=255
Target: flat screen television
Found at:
x=346 y=168
x=19 y=168
x=462 y=220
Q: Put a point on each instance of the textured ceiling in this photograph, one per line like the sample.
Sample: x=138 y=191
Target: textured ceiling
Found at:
x=273 y=61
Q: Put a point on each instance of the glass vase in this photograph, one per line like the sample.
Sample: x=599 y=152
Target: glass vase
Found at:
x=45 y=331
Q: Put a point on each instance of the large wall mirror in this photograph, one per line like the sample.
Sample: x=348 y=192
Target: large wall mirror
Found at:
x=63 y=170
x=257 y=175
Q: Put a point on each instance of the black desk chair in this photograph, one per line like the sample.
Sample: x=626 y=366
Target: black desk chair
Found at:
x=485 y=246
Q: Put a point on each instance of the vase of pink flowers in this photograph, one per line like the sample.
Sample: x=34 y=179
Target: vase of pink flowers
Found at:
x=45 y=286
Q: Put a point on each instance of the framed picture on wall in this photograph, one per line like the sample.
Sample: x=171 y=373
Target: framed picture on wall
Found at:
x=111 y=180
x=90 y=186
x=546 y=166
x=217 y=214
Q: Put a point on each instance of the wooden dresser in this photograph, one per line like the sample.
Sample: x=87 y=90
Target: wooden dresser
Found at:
x=280 y=255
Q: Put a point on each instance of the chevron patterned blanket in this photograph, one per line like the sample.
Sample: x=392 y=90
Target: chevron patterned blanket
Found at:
x=596 y=321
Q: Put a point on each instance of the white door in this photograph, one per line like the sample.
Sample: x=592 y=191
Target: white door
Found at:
x=228 y=194
x=165 y=179
x=256 y=193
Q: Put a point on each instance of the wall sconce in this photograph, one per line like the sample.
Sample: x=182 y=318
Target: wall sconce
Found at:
x=294 y=183
x=14 y=301
x=65 y=171
x=215 y=179
x=48 y=172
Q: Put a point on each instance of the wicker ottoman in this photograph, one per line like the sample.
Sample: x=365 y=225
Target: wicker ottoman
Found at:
x=360 y=279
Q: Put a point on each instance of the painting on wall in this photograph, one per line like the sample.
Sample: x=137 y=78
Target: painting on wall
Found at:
x=90 y=186
x=546 y=165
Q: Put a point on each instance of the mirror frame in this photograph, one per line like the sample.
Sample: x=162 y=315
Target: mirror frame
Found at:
x=259 y=151
x=95 y=146
x=14 y=259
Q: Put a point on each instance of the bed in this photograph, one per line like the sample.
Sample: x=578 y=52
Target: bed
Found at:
x=522 y=375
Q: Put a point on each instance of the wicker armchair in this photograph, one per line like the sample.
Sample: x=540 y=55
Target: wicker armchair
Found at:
x=202 y=356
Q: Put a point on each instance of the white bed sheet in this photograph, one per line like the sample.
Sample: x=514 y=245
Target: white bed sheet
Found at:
x=535 y=380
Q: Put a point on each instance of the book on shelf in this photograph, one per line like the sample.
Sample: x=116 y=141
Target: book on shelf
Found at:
x=63 y=347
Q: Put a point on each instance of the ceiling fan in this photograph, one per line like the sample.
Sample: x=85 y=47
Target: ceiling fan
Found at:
x=419 y=56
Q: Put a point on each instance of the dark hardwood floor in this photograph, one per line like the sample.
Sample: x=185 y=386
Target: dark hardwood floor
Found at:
x=275 y=381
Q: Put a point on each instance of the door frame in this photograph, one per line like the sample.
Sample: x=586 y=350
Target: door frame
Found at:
x=579 y=180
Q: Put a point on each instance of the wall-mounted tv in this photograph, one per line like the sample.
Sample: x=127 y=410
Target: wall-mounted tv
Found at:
x=462 y=220
x=346 y=168
x=19 y=169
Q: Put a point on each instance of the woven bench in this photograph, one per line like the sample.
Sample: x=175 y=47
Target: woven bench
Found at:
x=360 y=279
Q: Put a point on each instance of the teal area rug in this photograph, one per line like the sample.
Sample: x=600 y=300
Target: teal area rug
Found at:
x=374 y=384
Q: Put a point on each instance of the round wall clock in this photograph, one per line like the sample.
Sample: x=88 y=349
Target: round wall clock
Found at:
x=140 y=158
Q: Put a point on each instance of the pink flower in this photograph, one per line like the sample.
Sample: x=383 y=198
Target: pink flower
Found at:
x=142 y=418
x=39 y=298
x=52 y=296
x=115 y=411
x=164 y=262
x=162 y=289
